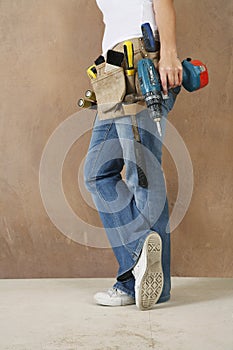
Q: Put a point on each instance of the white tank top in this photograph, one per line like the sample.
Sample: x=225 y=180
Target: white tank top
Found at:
x=123 y=19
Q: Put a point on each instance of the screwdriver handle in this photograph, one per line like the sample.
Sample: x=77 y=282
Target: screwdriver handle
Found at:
x=129 y=57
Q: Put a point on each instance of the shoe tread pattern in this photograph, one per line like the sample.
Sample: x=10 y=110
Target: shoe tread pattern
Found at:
x=152 y=282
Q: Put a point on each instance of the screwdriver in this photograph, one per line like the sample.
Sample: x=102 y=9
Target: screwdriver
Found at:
x=130 y=70
x=129 y=55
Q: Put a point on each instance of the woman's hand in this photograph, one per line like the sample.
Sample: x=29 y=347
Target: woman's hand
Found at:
x=171 y=72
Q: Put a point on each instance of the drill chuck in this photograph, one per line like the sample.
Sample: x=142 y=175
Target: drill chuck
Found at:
x=154 y=105
x=153 y=102
x=152 y=98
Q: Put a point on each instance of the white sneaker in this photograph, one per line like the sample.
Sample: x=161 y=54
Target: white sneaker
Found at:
x=113 y=297
x=148 y=273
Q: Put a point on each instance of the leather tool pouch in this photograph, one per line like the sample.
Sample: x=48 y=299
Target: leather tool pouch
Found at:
x=110 y=90
x=112 y=86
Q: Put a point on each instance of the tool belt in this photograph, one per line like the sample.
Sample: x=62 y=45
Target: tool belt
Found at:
x=113 y=88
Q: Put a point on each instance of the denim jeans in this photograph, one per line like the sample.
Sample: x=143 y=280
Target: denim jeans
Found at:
x=128 y=211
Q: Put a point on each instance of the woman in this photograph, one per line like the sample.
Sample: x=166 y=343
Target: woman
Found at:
x=135 y=218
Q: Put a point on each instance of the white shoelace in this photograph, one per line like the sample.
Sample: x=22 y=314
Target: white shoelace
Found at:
x=115 y=292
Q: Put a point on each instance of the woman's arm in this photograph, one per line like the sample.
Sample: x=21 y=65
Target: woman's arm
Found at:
x=170 y=67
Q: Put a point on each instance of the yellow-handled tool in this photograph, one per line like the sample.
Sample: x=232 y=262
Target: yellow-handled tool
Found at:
x=129 y=57
x=92 y=72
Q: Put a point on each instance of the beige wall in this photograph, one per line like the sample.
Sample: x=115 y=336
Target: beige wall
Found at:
x=45 y=48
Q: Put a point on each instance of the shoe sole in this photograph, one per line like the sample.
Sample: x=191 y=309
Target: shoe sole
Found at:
x=151 y=284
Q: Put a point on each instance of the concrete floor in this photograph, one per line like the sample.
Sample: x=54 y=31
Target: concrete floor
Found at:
x=59 y=314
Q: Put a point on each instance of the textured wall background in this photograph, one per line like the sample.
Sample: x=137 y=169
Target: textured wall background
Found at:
x=45 y=48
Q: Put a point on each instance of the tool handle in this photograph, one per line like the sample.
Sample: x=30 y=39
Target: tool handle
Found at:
x=139 y=156
x=129 y=57
x=148 y=76
x=140 y=163
x=92 y=72
x=148 y=37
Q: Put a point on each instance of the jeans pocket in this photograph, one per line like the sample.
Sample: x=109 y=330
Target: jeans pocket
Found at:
x=173 y=93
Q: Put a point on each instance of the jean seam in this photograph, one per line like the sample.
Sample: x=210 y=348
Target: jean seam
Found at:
x=107 y=206
x=134 y=253
x=99 y=193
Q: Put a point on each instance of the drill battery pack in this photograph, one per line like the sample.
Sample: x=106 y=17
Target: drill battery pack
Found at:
x=195 y=75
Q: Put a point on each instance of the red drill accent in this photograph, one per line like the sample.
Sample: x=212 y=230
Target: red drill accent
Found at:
x=204 y=76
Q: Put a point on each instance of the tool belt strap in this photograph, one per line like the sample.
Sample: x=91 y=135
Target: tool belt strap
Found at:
x=138 y=48
x=137 y=44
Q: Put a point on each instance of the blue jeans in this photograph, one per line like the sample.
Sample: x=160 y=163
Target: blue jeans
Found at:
x=128 y=211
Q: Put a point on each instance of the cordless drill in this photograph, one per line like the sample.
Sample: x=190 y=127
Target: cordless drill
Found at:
x=195 y=77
